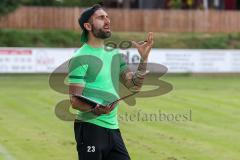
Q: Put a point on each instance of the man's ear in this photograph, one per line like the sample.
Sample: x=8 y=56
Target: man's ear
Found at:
x=88 y=26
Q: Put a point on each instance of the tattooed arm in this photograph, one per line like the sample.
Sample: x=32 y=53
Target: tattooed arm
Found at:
x=134 y=80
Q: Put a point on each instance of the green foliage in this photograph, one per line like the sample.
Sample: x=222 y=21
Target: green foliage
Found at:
x=79 y=3
x=7 y=6
x=66 y=38
x=176 y=4
x=39 y=38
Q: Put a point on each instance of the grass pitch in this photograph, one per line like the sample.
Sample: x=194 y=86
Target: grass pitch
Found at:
x=30 y=130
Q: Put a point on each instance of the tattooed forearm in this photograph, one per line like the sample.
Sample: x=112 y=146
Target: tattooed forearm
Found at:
x=134 y=80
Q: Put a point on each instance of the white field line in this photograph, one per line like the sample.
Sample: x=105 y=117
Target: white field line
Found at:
x=6 y=154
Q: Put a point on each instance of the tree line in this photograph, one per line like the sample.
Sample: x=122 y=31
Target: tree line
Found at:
x=7 y=6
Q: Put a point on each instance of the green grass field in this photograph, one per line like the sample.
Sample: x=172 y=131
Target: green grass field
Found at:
x=29 y=129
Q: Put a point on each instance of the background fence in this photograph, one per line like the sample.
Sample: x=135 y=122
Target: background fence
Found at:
x=127 y=20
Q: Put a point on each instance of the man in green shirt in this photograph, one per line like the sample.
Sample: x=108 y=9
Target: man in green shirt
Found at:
x=95 y=74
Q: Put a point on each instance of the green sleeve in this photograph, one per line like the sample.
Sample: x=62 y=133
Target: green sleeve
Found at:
x=76 y=72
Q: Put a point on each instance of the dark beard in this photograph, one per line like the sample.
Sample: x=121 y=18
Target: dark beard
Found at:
x=99 y=33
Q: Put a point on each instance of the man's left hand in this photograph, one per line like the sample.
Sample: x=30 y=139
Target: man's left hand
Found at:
x=144 y=48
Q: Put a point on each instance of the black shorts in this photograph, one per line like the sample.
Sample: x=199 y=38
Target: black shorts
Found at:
x=98 y=143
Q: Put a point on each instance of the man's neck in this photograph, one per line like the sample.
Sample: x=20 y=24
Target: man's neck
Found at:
x=95 y=42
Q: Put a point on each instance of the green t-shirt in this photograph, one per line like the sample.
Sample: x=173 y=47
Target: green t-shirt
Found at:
x=99 y=70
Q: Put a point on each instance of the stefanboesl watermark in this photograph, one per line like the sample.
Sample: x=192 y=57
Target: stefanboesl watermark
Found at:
x=159 y=116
